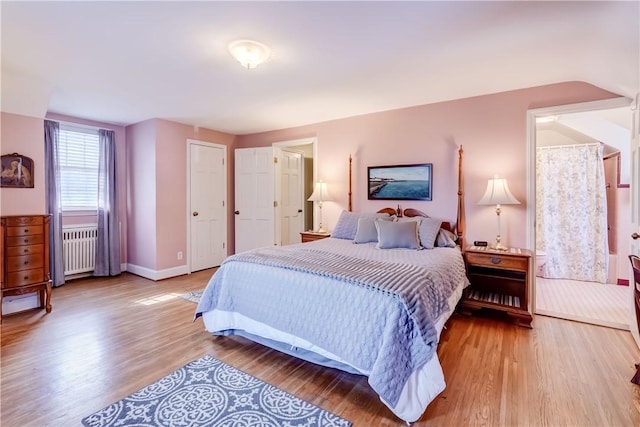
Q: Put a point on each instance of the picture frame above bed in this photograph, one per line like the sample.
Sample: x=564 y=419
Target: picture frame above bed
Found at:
x=400 y=182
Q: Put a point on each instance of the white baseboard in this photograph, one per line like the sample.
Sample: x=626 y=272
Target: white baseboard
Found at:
x=157 y=274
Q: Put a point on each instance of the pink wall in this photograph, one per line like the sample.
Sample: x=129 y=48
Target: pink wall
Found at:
x=157 y=162
x=141 y=194
x=171 y=181
x=23 y=135
x=491 y=128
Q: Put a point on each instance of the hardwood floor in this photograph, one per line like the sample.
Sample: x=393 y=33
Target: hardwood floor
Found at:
x=107 y=338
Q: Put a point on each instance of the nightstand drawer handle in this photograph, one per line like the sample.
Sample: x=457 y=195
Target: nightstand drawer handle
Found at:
x=495 y=260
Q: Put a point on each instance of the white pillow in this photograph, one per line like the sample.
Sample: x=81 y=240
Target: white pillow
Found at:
x=445 y=239
x=347 y=224
x=428 y=229
x=393 y=235
x=367 y=231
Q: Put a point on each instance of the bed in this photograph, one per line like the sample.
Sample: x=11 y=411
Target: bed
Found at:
x=370 y=300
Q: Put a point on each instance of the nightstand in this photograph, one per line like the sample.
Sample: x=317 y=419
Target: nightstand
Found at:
x=499 y=281
x=310 y=236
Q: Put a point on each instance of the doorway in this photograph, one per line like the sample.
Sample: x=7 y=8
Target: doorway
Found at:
x=294 y=178
x=607 y=123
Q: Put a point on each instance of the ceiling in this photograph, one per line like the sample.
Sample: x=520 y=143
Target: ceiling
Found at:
x=125 y=62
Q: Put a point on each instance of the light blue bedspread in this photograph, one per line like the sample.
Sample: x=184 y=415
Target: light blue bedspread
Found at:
x=334 y=300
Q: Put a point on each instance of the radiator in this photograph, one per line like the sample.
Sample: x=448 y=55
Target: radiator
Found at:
x=79 y=248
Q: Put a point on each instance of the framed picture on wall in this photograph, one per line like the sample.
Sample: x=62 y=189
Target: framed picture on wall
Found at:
x=17 y=171
x=400 y=182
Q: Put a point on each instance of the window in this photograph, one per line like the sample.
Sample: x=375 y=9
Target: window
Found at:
x=78 y=155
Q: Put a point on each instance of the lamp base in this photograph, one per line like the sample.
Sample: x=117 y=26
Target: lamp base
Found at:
x=498 y=246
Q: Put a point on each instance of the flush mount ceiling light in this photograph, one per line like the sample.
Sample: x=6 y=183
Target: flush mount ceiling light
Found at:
x=249 y=53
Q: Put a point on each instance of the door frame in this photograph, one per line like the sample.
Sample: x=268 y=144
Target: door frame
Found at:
x=291 y=144
x=225 y=218
x=532 y=114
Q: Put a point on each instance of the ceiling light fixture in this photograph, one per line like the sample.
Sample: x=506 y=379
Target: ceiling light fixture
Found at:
x=249 y=53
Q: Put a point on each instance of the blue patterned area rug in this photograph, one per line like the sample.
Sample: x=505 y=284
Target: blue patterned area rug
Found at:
x=193 y=296
x=208 y=392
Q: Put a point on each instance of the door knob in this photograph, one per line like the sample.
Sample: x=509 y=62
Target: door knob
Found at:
x=195 y=213
x=635 y=236
x=236 y=212
x=299 y=210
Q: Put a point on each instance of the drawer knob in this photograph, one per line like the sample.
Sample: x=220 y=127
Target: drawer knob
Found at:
x=25 y=251
x=26 y=230
x=495 y=260
x=26 y=262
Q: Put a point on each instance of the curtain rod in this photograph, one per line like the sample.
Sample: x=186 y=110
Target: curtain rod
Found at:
x=569 y=145
x=79 y=125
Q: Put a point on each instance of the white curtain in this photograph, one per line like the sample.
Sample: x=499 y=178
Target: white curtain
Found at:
x=571 y=212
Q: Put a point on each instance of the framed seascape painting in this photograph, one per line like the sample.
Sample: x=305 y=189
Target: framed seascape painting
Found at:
x=17 y=171
x=400 y=182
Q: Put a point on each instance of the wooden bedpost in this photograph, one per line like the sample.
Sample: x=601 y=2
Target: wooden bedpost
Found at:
x=461 y=221
x=350 y=194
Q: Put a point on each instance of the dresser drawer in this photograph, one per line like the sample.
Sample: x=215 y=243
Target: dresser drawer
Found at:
x=25 y=240
x=25 y=250
x=24 y=262
x=26 y=230
x=26 y=277
x=498 y=261
x=17 y=221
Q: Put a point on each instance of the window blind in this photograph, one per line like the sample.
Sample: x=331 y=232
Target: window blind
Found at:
x=78 y=155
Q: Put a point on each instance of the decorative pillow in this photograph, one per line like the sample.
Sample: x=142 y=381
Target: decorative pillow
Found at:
x=445 y=239
x=397 y=234
x=347 y=224
x=427 y=230
x=367 y=231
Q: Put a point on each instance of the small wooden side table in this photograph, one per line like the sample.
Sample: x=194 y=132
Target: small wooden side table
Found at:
x=310 y=236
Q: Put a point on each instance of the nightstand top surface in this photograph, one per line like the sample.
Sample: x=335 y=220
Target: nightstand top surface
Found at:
x=508 y=252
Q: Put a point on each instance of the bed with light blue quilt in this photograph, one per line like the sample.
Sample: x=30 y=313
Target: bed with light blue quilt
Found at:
x=356 y=307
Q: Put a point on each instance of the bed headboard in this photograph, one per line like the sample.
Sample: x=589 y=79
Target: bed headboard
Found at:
x=459 y=227
x=410 y=212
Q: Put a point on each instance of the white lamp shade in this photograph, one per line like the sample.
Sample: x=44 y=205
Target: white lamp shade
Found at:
x=320 y=193
x=249 y=53
x=498 y=193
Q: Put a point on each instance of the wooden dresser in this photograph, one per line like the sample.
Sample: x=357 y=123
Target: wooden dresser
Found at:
x=25 y=258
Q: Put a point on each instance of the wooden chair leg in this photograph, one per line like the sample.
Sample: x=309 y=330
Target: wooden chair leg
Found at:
x=636 y=377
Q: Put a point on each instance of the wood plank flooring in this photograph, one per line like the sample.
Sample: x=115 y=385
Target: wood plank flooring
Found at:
x=107 y=338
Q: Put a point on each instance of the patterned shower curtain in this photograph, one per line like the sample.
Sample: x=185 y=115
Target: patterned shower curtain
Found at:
x=571 y=212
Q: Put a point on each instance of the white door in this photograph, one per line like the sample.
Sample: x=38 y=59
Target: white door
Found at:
x=635 y=212
x=254 y=198
x=290 y=196
x=207 y=199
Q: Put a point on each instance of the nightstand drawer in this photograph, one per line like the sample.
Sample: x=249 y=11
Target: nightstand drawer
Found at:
x=498 y=261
